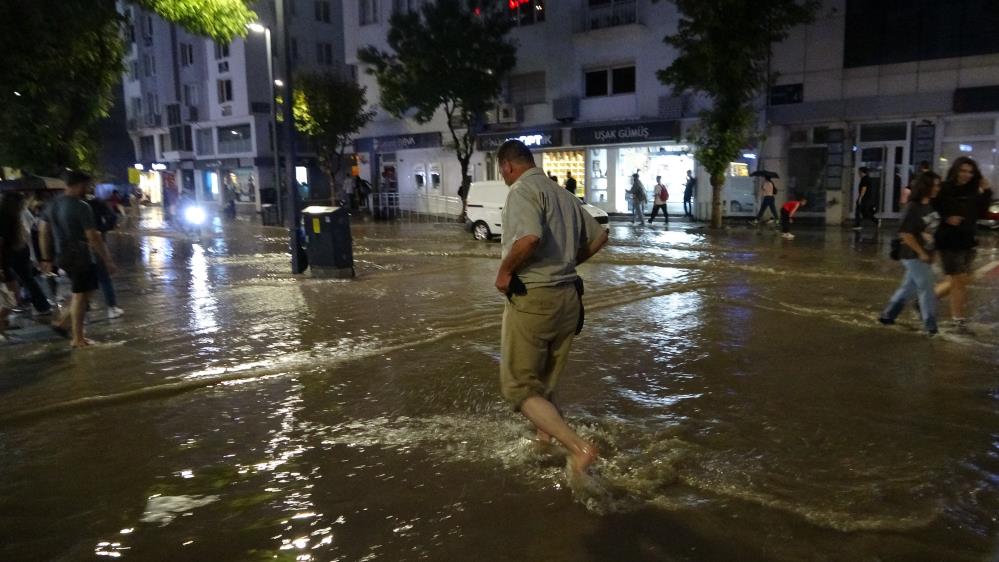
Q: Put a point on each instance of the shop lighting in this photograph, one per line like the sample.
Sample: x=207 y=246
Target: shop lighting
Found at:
x=966 y=148
x=279 y=83
x=749 y=156
x=256 y=27
x=159 y=167
x=139 y=167
x=16 y=93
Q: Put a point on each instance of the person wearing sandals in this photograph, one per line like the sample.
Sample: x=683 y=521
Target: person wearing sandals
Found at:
x=917 y=235
x=78 y=244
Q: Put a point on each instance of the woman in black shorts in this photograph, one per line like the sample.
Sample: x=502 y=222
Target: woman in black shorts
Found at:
x=964 y=197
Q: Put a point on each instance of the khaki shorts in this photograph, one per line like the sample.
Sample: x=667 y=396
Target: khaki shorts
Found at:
x=537 y=334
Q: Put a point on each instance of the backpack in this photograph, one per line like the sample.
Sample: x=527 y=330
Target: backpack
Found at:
x=104 y=218
x=663 y=193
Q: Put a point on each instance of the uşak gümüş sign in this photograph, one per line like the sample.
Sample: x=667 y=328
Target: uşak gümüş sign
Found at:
x=627 y=133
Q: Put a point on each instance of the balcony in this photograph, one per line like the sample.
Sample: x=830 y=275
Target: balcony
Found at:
x=610 y=13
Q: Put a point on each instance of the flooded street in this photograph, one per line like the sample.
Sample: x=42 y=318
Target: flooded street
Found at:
x=746 y=402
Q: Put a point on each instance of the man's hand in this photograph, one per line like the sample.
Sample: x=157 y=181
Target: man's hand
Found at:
x=955 y=220
x=503 y=279
x=45 y=266
x=927 y=258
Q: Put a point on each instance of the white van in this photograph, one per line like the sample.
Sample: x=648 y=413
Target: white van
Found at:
x=485 y=209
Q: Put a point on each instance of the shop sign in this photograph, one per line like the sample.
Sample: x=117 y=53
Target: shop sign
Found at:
x=393 y=143
x=643 y=131
x=540 y=138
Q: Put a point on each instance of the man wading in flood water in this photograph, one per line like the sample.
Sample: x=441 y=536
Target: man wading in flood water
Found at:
x=546 y=234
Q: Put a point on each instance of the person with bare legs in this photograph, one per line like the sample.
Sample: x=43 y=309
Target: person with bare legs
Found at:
x=546 y=234
x=70 y=222
x=964 y=197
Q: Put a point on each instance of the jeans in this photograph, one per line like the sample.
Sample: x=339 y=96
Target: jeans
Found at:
x=918 y=280
x=767 y=203
x=638 y=211
x=785 y=221
x=107 y=285
x=688 y=208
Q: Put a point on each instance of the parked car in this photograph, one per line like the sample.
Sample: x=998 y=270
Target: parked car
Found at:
x=485 y=205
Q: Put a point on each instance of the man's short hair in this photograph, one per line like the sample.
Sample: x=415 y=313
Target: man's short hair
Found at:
x=516 y=151
x=76 y=177
x=862 y=170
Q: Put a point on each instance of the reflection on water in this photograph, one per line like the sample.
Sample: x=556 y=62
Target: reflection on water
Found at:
x=746 y=404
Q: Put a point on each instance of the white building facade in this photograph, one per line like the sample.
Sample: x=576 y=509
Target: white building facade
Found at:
x=584 y=96
x=199 y=113
x=883 y=85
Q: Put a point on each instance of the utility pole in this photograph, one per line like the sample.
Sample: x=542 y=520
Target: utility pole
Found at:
x=292 y=210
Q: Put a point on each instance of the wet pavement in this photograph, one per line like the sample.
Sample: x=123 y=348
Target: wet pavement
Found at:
x=747 y=404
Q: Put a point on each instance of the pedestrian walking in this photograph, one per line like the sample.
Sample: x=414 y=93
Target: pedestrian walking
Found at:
x=546 y=234
x=70 y=222
x=16 y=250
x=787 y=216
x=865 y=206
x=768 y=197
x=638 y=197
x=688 y=195
x=659 y=201
x=105 y=220
x=918 y=244
x=964 y=197
x=570 y=183
x=903 y=198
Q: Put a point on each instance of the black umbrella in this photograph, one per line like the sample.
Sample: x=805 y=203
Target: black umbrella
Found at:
x=764 y=174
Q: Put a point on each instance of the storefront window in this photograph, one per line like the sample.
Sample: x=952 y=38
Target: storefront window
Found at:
x=597 y=178
x=564 y=162
x=671 y=162
x=806 y=169
x=739 y=193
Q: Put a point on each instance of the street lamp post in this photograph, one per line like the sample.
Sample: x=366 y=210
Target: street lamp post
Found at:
x=259 y=28
x=293 y=211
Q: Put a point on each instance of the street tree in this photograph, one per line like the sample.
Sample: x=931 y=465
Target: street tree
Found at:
x=450 y=56
x=59 y=63
x=329 y=110
x=723 y=52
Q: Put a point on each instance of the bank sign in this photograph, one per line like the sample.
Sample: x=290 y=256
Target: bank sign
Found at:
x=397 y=142
x=634 y=132
x=540 y=138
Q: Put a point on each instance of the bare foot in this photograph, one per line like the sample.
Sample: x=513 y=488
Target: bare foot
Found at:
x=81 y=343
x=544 y=438
x=580 y=460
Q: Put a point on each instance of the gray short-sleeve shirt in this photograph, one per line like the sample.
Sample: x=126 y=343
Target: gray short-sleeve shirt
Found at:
x=70 y=218
x=537 y=206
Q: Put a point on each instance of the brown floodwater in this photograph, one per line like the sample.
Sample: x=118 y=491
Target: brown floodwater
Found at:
x=746 y=403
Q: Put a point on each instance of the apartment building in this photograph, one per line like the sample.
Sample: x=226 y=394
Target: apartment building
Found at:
x=878 y=84
x=199 y=112
x=884 y=85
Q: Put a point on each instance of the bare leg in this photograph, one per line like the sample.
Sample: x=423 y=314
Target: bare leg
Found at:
x=78 y=312
x=546 y=418
x=959 y=295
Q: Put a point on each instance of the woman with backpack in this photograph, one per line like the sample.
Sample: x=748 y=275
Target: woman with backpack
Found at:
x=661 y=196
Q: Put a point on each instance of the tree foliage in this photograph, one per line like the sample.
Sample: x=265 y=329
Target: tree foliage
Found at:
x=59 y=63
x=446 y=57
x=330 y=111
x=723 y=51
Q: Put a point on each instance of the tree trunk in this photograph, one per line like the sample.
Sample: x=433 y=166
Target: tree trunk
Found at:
x=717 y=183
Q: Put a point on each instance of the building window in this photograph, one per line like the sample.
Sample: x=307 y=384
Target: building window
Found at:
x=136 y=107
x=221 y=51
x=405 y=6
x=323 y=11
x=609 y=13
x=133 y=70
x=368 y=11
x=234 y=139
x=148 y=65
x=147 y=28
x=610 y=81
x=527 y=88
x=294 y=49
x=324 y=54
x=225 y=91
x=186 y=54
x=526 y=12
x=192 y=94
